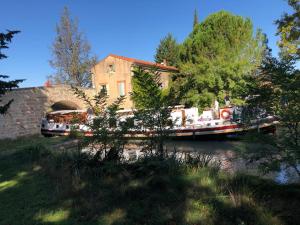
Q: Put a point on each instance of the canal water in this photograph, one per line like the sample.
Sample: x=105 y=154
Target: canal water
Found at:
x=223 y=151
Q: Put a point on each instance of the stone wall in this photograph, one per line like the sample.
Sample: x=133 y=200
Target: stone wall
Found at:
x=30 y=106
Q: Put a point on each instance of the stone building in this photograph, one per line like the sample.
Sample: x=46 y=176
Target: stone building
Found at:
x=30 y=105
x=114 y=74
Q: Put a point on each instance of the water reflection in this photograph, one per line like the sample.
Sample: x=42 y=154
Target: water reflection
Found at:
x=226 y=151
x=287 y=176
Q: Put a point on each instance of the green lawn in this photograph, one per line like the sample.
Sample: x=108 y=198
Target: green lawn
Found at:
x=40 y=185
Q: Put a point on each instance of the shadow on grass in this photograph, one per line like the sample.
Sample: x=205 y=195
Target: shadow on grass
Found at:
x=24 y=190
x=39 y=187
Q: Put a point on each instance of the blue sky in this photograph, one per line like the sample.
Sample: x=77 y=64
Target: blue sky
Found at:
x=131 y=28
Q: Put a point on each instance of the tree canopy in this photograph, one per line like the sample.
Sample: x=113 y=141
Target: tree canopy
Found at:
x=71 y=54
x=289 y=31
x=146 y=89
x=153 y=108
x=276 y=90
x=219 y=56
x=168 y=50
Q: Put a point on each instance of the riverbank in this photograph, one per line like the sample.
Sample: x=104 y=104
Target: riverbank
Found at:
x=42 y=185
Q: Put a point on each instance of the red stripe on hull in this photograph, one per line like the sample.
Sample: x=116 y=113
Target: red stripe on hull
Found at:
x=235 y=128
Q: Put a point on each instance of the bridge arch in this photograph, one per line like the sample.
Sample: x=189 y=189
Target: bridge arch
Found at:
x=64 y=105
x=30 y=105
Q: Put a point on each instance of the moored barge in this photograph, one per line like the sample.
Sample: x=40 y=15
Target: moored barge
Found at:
x=186 y=123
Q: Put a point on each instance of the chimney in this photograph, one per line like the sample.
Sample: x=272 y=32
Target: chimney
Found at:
x=47 y=83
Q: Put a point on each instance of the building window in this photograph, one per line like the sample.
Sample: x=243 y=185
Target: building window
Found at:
x=111 y=68
x=121 y=88
x=104 y=88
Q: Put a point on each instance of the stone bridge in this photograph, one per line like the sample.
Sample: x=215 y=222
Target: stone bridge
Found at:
x=31 y=104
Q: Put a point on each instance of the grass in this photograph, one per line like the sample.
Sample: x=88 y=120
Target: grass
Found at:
x=42 y=186
x=8 y=146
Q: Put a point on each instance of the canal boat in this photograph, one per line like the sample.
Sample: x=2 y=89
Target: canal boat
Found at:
x=187 y=122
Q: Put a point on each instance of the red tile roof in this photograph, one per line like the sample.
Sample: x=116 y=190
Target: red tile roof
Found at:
x=145 y=63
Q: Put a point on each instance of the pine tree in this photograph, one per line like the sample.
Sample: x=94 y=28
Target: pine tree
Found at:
x=71 y=54
x=168 y=50
x=219 y=56
x=6 y=86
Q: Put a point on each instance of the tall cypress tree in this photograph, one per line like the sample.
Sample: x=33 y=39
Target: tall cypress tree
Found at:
x=196 y=20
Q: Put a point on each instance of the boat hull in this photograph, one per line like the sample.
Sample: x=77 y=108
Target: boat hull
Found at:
x=183 y=132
